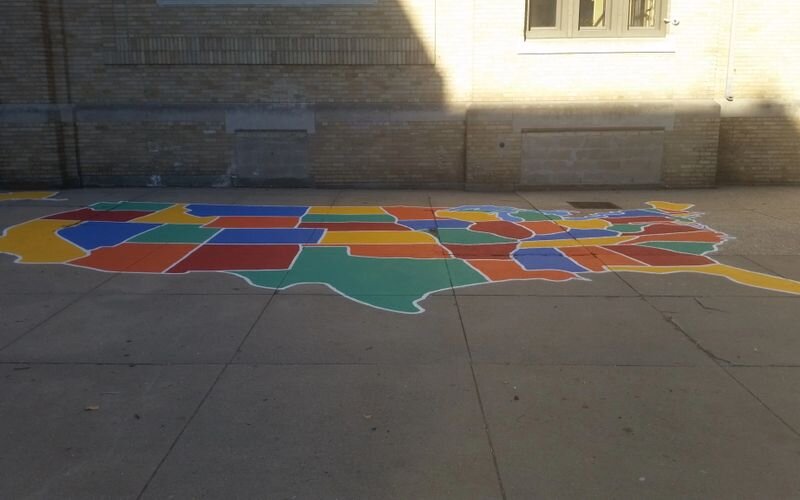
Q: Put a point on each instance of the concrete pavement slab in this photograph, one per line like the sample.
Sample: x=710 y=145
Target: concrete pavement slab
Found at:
x=206 y=283
x=20 y=313
x=597 y=284
x=47 y=278
x=91 y=431
x=191 y=195
x=334 y=432
x=787 y=266
x=329 y=329
x=739 y=330
x=778 y=388
x=317 y=197
x=754 y=233
x=634 y=432
x=459 y=198
x=389 y=197
x=573 y=330
x=108 y=328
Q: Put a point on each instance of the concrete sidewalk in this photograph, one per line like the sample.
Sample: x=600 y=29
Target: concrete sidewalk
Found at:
x=200 y=386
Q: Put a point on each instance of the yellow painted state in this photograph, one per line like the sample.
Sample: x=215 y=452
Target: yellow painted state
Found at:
x=347 y=211
x=27 y=195
x=175 y=215
x=377 y=238
x=611 y=240
x=36 y=242
x=741 y=276
x=584 y=224
x=670 y=207
x=467 y=216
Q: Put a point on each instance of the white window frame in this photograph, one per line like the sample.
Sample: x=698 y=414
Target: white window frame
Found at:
x=567 y=12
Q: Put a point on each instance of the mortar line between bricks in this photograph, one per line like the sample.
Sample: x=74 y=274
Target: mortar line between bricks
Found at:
x=59 y=311
x=204 y=399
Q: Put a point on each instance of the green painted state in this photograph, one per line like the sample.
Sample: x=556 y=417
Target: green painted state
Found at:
x=535 y=216
x=692 y=247
x=393 y=284
x=347 y=218
x=176 y=233
x=626 y=228
x=467 y=237
x=130 y=205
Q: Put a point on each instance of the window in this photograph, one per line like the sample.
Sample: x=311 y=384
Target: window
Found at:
x=596 y=18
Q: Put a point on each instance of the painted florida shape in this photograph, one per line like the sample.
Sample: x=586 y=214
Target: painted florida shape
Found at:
x=389 y=257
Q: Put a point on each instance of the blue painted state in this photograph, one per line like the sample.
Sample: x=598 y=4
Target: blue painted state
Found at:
x=268 y=236
x=452 y=224
x=201 y=210
x=419 y=225
x=546 y=259
x=92 y=234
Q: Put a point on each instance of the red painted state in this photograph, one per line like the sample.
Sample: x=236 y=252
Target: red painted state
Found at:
x=87 y=214
x=254 y=222
x=355 y=226
x=493 y=252
x=502 y=228
x=660 y=257
x=238 y=258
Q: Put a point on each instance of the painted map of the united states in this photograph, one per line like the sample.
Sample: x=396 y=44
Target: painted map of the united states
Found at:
x=389 y=257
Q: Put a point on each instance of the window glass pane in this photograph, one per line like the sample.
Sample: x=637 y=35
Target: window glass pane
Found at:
x=543 y=13
x=592 y=14
x=642 y=14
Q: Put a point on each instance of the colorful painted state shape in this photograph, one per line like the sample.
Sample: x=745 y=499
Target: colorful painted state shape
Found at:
x=91 y=235
x=28 y=195
x=237 y=258
x=392 y=284
x=205 y=210
x=386 y=257
x=88 y=214
x=268 y=236
x=37 y=242
x=135 y=257
x=175 y=214
x=254 y=222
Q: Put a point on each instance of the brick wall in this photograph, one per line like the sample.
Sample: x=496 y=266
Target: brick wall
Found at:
x=148 y=66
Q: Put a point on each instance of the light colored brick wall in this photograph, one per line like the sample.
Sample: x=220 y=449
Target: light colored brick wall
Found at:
x=435 y=54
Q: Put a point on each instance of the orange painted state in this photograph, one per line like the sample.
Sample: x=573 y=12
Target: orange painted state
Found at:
x=410 y=213
x=398 y=251
x=254 y=222
x=583 y=257
x=135 y=257
x=609 y=258
x=504 y=270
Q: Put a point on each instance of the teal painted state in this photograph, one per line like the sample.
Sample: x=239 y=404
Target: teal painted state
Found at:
x=176 y=233
x=692 y=247
x=392 y=284
x=534 y=216
x=130 y=205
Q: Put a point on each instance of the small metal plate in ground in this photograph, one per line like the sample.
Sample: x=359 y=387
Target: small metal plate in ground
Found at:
x=593 y=204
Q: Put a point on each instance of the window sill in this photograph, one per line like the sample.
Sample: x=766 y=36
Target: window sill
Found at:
x=597 y=46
